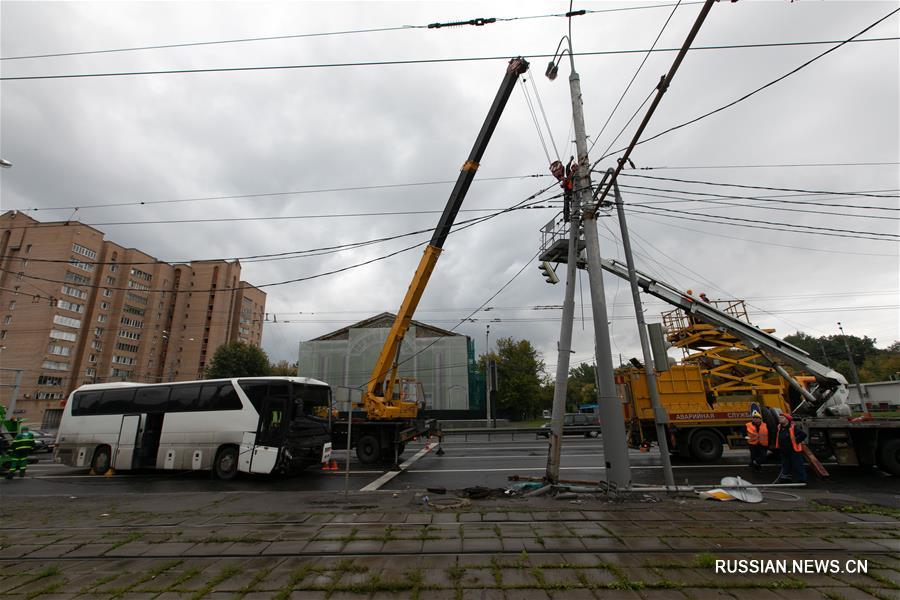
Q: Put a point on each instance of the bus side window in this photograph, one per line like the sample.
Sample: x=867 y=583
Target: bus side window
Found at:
x=152 y=399
x=116 y=402
x=184 y=398
x=256 y=392
x=86 y=403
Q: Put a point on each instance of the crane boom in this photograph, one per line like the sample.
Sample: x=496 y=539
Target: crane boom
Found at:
x=831 y=393
x=379 y=399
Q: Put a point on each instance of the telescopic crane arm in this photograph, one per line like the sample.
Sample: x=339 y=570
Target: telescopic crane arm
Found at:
x=831 y=393
x=379 y=399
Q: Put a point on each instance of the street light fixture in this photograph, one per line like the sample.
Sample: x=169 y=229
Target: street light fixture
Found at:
x=5 y=163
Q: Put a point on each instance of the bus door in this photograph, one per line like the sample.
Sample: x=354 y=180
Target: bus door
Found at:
x=270 y=434
x=153 y=424
x=128 y=442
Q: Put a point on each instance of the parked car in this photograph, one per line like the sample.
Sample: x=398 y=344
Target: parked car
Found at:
x=44 y=441
x=586 y=424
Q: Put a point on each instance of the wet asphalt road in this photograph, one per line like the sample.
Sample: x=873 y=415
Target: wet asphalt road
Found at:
x=467 y=462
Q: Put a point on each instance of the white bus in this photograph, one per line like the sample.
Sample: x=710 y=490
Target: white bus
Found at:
x=251 y=425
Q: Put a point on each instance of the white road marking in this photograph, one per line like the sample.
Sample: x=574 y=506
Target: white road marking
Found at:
x=403 y=467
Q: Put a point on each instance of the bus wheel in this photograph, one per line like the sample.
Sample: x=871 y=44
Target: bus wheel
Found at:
x=226 y=465
x=101 y=461
x=368 y=450
x=890 y=457
x=706 y=446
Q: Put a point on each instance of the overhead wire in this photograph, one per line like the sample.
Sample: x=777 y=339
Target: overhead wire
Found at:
x=355 y=188
x=464 y=225
x=376 y=63
x=633 y=77
x=757 y=187
x=644 y=216
x=769 y=166
x=759 y=89
x=766 y=198
x=319 y=34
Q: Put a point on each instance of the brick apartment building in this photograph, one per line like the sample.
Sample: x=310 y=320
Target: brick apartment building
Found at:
x=76 y=309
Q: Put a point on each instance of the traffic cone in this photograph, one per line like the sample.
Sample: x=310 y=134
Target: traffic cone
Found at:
x=334 y=466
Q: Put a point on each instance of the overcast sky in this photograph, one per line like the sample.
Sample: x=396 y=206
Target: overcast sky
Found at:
x=257 y=135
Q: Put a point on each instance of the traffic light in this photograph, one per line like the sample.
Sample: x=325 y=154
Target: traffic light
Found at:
x=548 y=272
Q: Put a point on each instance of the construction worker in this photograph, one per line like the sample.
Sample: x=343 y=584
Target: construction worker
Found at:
x=22 y=447
x=757 y=440
x=789 y=443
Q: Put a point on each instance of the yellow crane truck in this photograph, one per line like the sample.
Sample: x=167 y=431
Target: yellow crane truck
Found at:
x=730 y=365
x=392 y=406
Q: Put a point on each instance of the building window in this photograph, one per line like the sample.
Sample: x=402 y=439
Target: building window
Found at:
x=101 y=318
x=97 y=345
x=66 y=305
x=81 y=265
x=49 y=380
x=3 y=334
x=90 y=371
x=104 y=306
x=76 y=278
x=7 y=319
x=141 y=275
x=138 y=286
x=127 y=347
x=16 y=291
x=84 y=251
x=56 y=334
x=113 y=268
x=20 y=275
x=55 y=366
x=67 y=321
x=110 y=280
x=92 y=358
x=60 y=350
x=12 y=305
x=48 y=395
x=28 y=249
x=74 y=292
x=107 y=293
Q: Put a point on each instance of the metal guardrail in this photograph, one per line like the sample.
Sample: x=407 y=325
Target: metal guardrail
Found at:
x=513 y=431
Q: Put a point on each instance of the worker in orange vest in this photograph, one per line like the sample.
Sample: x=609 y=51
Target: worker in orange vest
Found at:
x=757 y=440
x=789 y=443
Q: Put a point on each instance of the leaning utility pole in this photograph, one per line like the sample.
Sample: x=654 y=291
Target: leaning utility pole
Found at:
x=615 y=449
x=645 y=344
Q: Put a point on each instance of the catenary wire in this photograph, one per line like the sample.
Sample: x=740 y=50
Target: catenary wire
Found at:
x=759 y=89
x=633 y=77
x=770 y=166
x=643 y=216
x=317 y=34
x=756 y=187
x=427 y=60
x=288 y=193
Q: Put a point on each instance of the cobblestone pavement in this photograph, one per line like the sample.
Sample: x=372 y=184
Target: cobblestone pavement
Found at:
x=383 y=545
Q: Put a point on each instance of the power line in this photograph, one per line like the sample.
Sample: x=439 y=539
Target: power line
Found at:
x=288 y=193
x=761 y=88
x=277 y=218
x=769 y=166
x=716 y=219
x=767 y=199
x=792 y=209
x=758 y=187
x=633 y=77
x=475 y=221
x=475 y=22
x=429 y=60
x=762 y=243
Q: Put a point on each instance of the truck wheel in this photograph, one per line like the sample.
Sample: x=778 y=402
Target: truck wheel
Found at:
x=368 y=450
x=706 y=446
x=226 y=465
x=889 y=457
x=100 y=463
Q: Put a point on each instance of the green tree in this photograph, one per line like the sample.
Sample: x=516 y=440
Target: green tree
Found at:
x=237 y=359
x=283 y=367
x=521 y=381
x=581 y=387
x=873 y=364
